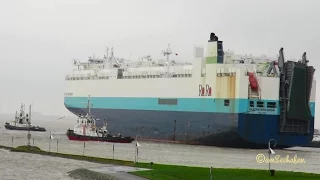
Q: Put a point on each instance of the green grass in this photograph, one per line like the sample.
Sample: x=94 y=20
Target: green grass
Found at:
x=172 y=172
x=168 y=172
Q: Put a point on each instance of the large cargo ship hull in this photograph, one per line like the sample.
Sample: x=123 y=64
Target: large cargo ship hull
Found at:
x=215 y=129
x=218 y=99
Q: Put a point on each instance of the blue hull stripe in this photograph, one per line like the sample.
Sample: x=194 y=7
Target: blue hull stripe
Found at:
x=209 y=105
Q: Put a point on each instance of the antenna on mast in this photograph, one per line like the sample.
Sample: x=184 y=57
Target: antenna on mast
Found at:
x=107 y=53
x=16 y=118
x=30 y=109
x=89 y=105
x=111 y=56
x=29 y=119
x=167 y=52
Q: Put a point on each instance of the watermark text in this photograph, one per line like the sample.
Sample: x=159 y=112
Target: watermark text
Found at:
x=261 y=158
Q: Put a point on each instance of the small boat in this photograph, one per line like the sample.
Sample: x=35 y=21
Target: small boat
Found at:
x=86 y=130
x=23 y=122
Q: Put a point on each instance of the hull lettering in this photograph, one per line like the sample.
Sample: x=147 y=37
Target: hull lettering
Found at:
x=205 y=91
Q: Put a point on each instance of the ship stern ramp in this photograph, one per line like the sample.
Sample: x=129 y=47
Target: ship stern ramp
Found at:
x=285 y=109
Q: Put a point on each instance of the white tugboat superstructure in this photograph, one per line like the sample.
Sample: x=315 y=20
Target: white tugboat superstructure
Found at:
x=22 y=121
x=86 y=125
x=86 y=130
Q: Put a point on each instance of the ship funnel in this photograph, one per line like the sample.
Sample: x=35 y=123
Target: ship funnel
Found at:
x=215 y=52
x=213 y=37
x=304 y=58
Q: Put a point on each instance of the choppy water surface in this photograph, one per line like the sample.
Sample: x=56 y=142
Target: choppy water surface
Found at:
x=148 y=152
x=167 y=153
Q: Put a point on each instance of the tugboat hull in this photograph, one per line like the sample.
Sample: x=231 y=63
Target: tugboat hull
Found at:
x=76 y=137
x=31 y=128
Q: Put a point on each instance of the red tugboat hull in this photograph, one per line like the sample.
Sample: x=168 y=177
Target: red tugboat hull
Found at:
x=115 y=139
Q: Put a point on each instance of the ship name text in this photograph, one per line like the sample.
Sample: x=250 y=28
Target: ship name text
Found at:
x=261 y=110
x=205 y=90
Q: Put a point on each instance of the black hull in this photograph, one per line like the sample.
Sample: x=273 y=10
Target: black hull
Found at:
x=32 y=128
x=75 y=137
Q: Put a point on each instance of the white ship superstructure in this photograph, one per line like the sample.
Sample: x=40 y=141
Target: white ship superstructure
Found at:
x=220 y=93
x=22 y=118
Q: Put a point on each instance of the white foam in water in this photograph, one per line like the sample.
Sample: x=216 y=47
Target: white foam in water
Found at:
x=316 y=138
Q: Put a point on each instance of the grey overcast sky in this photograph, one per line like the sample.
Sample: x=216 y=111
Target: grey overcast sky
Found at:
x=39 y=38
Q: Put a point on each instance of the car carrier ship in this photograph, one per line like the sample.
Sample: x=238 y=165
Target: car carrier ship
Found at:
x=219 y=99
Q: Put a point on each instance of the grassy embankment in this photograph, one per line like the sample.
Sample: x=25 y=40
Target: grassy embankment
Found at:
x=172 y=172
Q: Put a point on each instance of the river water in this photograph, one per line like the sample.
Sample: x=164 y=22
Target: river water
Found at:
x=18 y=166
x=148 y=152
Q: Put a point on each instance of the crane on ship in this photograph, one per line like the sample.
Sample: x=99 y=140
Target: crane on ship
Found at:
x=167 y=53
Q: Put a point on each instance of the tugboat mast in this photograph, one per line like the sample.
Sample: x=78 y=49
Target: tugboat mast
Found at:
x=89 y=106
x=28 y=120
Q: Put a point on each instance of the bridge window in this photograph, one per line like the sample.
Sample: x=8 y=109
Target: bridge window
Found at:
x=168 y=101
x=226 y=102
x=251 y=104
x=260 y=104
x=271 y=105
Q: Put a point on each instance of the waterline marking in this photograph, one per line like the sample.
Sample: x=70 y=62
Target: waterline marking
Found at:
x=260 y=158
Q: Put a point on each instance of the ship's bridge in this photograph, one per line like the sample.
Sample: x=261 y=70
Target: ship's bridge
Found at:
x=84 y=120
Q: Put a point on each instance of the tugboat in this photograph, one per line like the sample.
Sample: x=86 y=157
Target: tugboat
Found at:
x=86 y=130
x=23 y=122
